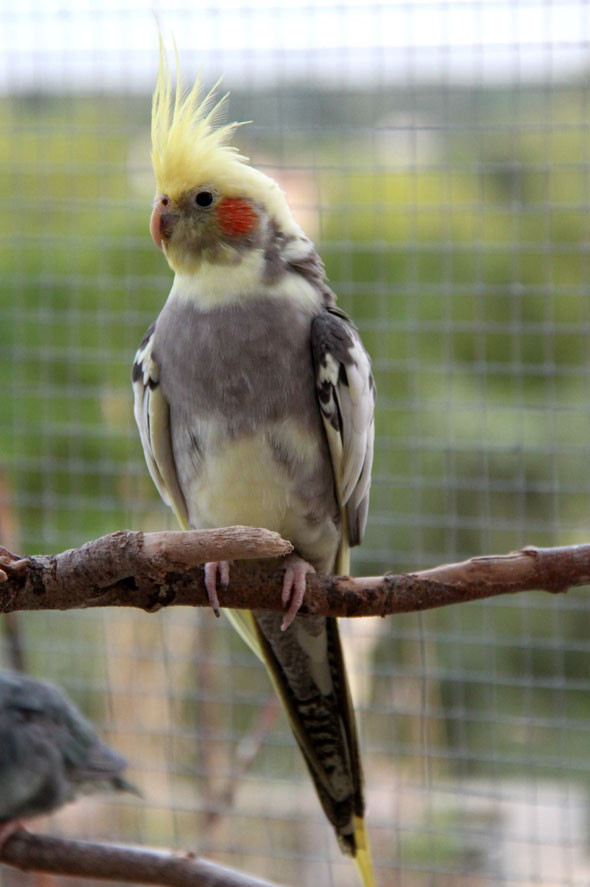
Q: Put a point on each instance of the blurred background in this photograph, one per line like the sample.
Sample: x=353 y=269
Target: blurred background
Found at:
x=438 y=153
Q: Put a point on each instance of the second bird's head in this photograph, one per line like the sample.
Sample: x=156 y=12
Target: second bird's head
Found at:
x=210 y=204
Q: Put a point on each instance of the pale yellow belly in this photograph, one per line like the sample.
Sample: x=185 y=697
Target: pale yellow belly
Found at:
x=242 y=482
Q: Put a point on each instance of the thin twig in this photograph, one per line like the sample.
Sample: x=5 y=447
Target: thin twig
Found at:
x=155 y=570
x=114 y=862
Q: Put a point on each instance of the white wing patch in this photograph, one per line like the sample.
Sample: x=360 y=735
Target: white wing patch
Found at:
x=346 y=394
x=152 y=415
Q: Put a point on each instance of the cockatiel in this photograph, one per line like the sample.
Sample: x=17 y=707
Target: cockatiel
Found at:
x=49 y=753
x=254 y=400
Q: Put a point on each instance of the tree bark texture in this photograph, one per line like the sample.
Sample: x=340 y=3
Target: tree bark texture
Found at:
x=155 y=570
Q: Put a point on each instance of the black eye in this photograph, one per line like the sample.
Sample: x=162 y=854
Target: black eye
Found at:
x=204 y=198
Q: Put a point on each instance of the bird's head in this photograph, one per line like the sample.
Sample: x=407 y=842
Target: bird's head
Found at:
x=210 y=204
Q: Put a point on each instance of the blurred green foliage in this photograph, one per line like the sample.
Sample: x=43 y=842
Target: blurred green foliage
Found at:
x=459 y=241
x=469 y=269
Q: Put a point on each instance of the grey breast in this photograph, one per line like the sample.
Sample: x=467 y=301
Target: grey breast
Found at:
x=236 y=369
x=241 y=363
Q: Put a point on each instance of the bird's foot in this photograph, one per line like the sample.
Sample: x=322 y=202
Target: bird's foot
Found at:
x=9 y=828
x=212 y=570
x=296 y=569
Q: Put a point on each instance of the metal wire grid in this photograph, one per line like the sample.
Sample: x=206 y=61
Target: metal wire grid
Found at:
x=440 y=162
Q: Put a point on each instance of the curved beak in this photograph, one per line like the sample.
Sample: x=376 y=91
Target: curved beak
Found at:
x=162 y=222
x=155 y=226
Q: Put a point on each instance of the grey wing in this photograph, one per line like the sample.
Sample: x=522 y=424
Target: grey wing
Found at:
x=346 y=394
x=152 y=414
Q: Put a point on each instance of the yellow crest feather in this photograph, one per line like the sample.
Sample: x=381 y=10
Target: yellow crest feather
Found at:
x=189 y=147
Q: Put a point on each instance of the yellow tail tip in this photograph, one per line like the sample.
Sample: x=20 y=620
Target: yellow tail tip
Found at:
x=362 y=856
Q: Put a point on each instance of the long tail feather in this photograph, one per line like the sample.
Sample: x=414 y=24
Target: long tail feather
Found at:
x=266 y=640
x=362 y=856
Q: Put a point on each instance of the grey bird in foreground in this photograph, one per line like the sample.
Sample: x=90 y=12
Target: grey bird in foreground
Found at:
x=49 y=753
x=254 y=401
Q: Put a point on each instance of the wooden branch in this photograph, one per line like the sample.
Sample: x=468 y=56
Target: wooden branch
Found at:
x=114 y=862
x=154 y=570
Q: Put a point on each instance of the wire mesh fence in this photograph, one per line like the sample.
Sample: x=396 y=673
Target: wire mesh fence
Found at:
x=437 y=153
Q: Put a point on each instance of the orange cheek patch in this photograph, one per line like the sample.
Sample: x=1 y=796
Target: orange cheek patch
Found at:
x=236 y=216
